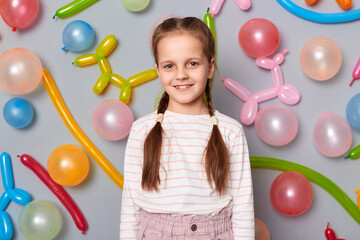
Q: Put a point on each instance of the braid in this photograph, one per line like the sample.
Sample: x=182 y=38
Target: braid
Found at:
x=208 y=98
x=163 y=104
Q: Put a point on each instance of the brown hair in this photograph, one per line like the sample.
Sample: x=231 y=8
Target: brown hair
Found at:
x=216 y=156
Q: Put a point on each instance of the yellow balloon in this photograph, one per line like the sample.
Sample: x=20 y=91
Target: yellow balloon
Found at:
x=106 y=46
x=86 y=60
x=68 y=165
x=142 y=77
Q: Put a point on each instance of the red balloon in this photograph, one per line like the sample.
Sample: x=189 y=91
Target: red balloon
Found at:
x=291 y=193
x=259 y=37
x=18 y=13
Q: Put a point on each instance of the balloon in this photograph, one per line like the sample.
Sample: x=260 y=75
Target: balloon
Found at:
x=354 y=153
x=6 y=229
x=353 y=111
x=76 y=131
x=259 y=37
x=276 y=125
x=356 y=72
x=320 y=58
x=40 y=220
x=209 y=21
x=358 y=197
x=311 y=175
x=310 y=2
x=261 y=231
x=157 y=23
x=330 y=234
x=18 y=112
x=73 y=7
x=291 y=193
x=243 y=4
x=344 y=4
x=215 y=6
x=77 y=36
x=20 y=71
x=135 y=5
x=59 y=191
x=19 y=13
x=332 y=135
x=112 y=120
x=319 y=17
x=68 y=165
x=158 y=98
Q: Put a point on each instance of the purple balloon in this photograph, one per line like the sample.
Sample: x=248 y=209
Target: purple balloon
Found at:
x=276 y=125
x=112 y=120
x=332 y=135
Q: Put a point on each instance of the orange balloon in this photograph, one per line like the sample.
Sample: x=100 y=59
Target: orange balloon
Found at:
x=261 y=231
x=68 y=165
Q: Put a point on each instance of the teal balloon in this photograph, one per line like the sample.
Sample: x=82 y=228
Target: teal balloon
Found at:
x=18 y=112
x=77 y=36
x=135 y=5
x=40 y=220
x=353 y=112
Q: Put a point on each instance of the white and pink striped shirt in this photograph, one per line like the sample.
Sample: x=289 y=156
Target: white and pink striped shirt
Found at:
x=184 y=188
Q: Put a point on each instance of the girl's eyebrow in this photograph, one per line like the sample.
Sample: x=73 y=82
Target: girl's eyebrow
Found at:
x=186 y=60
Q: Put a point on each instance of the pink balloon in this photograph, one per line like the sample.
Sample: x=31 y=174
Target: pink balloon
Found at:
x=259 y=37
x=276 y=125
x=18 y=13
x=332 y=135
x=261 y=231
x=112 y=119
x=20 y=71
x=291 y=193
x=157 y=23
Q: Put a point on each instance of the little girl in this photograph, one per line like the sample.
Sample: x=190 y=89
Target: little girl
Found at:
x=187 y=170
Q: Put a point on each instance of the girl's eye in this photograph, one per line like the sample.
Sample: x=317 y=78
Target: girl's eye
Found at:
x=168 y=66
x=193 y=64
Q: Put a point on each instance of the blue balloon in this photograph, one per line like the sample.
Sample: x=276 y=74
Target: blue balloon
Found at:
x=6 y=171
x=6 y=230
x=77 y=36
x=353 y=111
x=18 y=112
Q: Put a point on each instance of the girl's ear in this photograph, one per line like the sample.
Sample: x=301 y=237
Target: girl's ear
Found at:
x=211 y=68
x=157 y=69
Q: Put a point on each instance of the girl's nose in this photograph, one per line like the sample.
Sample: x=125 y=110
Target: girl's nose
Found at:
x=182 y=74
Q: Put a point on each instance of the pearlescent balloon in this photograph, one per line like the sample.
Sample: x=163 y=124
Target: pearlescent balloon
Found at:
x=276 y=125
x=291 y=193
x=78 y=36
x=112 y=120
x=259 y=37
x=20 y=71
x=320 y=58
x=332 y=135
x=353 y=112
x=68 y=165
x=40 y=220
x=261 y=230
x=18 y=112
x=135 y=5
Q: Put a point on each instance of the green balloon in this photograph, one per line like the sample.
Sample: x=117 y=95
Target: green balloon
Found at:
x=157 y=99
x=135 y=5
x=40 y=220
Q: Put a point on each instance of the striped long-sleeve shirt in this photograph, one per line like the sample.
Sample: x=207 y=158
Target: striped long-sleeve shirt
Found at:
x=184 y=188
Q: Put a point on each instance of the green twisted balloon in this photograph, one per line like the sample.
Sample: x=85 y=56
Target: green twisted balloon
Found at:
x=311 y=175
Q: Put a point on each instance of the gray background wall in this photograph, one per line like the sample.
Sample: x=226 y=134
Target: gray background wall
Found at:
x=98 y=197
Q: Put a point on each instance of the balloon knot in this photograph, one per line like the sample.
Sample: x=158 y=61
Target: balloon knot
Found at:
x=285 y=51
x=73 y=63
x=18 y=155
x=54 y=16
x=223 y=79
x=64 y=49
x=352 y=81
x=357 y=190
x=324 y=112
x=14 y=29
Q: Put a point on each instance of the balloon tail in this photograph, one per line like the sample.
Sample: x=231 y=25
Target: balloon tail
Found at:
x=347 y=157
x=223 y=79
x=14 y=29
x=54 y=16
x=352 y=81
x=64 y=49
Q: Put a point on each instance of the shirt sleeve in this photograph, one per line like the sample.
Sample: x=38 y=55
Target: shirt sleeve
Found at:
x=241 y=189
x=130 y=215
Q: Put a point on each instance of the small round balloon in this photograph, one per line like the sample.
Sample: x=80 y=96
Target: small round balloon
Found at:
x=259 y=37
x=157 y=23
x=77 y=36
x=18 y=112
x=320 y=58
x=261 y=230
x=112 y=119
x=332 y=135
x=291 y=193
x=20 y=71
x=135 y=5
x=353 y=111
x=40 y=220
x=18 y=13
x=68 y=165
x=276 y=125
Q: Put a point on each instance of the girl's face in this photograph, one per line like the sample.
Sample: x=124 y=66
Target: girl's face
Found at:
x=183 y=70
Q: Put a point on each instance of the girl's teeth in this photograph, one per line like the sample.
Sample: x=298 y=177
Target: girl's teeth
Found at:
x=185 y=86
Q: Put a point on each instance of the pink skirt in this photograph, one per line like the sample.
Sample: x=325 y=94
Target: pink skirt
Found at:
x=158 y=226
